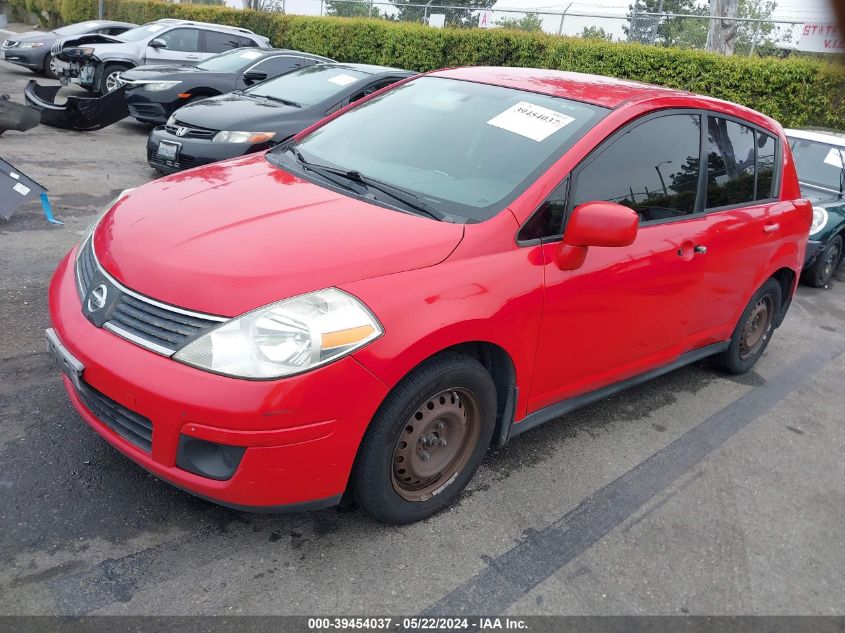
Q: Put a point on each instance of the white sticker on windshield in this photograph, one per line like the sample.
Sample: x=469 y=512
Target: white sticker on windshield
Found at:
x=343 y=80
x=531 y=121
x=250 y=55
x=21 y=188
x=14 y=175
x=834 y=157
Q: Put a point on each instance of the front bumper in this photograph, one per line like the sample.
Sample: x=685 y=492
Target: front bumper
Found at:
x=32 y=58
x=194 y=152
x=77 y=113
x=301 y=433
x=814 y=247
x=152 y=107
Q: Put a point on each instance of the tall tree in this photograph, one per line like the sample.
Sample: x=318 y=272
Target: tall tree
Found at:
x=721 y=34
x=351 y=9
x=462 y=13
x=528 y=22
x=646 y=26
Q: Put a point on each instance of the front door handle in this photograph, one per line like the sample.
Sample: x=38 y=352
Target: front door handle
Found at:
x=700 y=250
x=771 y=227
x=192 y=56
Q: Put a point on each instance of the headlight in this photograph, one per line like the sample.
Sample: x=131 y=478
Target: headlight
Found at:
x=158 y=86
x=819 y=220
x=171 y=121
x=242 y=137
x=285 y=338
x=32 y=44
x=90 y=230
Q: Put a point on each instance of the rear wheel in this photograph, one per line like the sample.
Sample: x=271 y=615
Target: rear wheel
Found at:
x=821 y=272
x=754 y=330
x=427 y=440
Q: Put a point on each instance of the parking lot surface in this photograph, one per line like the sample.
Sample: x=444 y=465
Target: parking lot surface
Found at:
x=696 y=493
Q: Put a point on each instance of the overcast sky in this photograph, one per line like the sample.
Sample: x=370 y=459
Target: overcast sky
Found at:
x=610 y=13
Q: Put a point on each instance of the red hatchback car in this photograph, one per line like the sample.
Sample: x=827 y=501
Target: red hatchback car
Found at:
x=428 y=272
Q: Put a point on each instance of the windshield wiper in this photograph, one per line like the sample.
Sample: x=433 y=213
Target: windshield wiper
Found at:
x=286 y=102
x=408 y=199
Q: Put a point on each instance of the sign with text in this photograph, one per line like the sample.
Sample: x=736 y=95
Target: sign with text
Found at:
x=485 y=19
x=437 y=20
x=821 y=38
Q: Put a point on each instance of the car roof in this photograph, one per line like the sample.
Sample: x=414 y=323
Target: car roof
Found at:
x=372 y=69
x=819 y=135
x=220 y=27
x=608 y=92
x=267 y=52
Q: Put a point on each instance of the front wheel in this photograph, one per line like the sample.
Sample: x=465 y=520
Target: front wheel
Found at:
x=426 y=441
x=110 y=78
x=51 y=68
x=821 y=272
x=754 y=330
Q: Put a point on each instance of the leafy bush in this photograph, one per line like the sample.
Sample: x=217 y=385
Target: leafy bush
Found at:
x=797 y=92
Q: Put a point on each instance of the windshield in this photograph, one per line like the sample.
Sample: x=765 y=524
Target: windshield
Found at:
x=308 y=86
x=818 y=163
x=230 y=61
x=141 y=32
x=464 y=149
x=76 y=29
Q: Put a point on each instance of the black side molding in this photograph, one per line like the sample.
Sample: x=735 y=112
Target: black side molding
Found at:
x=559 y=409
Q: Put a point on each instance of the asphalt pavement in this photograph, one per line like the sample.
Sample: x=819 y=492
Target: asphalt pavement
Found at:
x=697 y=493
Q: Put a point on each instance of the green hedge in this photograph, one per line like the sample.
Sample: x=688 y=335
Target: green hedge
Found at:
x=797 y=92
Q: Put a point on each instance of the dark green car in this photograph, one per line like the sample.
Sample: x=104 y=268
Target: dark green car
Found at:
x=820 y=160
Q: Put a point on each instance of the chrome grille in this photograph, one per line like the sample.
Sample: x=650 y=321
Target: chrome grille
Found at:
x=158 y=327
x=10 y=44
x=191 y=131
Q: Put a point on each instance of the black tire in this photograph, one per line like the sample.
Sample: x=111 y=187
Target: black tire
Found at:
x=373 y=479
x=107 y=71
x=741 y=355
x=822 y=270
x=47 y=70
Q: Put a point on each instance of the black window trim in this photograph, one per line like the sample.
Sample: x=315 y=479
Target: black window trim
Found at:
x=279 y=56
x=701 y=192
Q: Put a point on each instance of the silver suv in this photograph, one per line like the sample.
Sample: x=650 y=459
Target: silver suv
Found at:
x=96 y=61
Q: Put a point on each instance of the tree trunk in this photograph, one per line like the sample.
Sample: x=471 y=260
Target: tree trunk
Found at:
x=722 y=31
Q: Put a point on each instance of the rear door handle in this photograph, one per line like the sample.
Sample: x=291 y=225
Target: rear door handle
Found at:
x=771 y=227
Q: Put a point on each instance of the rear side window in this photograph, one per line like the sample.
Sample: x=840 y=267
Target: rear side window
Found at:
x=245 y=42
x=740 y=164
x=653 y=168
x=217 y=42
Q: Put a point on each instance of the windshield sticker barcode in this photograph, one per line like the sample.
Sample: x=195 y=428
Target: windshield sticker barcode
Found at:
x=21 y=188
x=531 y=121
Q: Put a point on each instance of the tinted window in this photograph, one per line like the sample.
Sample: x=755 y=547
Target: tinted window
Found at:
x=463 y=148
x=311 y=85
x=245 y=42
x=186 y=40
x=653 y=169
x=230 y=61
x=818 y=163
x=730 y=163
x=765 y=166
x=548 y=221
x=217 y=42
x=277 y=65
x=77 y=29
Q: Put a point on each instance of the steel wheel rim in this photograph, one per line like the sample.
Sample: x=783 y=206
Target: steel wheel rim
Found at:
x=756 y=326
x=435 y=444
x=113 y=81
x=830 y=262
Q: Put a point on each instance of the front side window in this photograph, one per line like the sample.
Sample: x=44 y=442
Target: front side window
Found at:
x=819 y=164
x=652 y=168
x=186 y=40
x=464 y=149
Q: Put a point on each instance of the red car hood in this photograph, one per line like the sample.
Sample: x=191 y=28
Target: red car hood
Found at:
x=236 y=235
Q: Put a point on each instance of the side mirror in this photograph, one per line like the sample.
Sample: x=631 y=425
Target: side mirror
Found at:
x=158 y=43
x=595 y=224
x=254 y=77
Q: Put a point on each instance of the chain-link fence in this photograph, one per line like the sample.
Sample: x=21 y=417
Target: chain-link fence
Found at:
x=748 y=36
